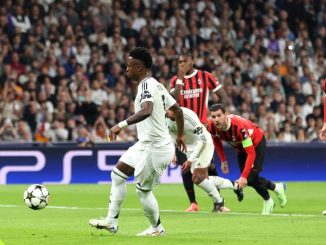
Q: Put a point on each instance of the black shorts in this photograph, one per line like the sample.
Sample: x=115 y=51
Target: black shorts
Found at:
x=181 y=157
x=260 y=155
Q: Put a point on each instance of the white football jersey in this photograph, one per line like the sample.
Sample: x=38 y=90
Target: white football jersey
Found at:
x=153 y=130
x=196 y=134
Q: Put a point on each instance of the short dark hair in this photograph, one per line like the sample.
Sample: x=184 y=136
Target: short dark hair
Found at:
x=143 y=55
x=186 y=52
x=216 y=107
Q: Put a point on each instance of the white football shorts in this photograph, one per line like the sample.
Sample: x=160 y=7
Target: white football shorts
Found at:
x=204 y=159
x=149 y=163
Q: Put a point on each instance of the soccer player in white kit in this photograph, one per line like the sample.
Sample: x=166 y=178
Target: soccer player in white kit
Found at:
x=200 y=150
x=155 y=149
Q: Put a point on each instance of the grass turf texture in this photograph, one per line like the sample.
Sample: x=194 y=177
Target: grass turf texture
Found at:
x=300 y=222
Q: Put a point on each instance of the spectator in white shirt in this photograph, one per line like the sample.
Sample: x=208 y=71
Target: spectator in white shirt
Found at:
x=21 y=20
x=308 y=106
x=98 y=95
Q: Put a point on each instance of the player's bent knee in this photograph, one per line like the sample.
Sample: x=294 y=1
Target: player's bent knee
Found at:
x=118 y=176
x=141 y=190
x=197 y=179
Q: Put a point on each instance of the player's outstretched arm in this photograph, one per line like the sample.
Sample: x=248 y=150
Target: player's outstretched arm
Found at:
x=180 y=126
x=175 y=92
x=183 y=68
x=146 y=111
x=222 y=96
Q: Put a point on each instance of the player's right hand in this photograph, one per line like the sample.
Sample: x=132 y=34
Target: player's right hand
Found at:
x=183 y=69
x=181 y=144
x=186 y=167
x=174 y=160
x=225 y=167
x=322 y=134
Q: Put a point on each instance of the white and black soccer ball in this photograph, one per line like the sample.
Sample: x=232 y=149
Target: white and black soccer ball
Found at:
x=36 y=196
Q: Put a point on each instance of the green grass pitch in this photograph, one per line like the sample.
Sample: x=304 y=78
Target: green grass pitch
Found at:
x=65 y=220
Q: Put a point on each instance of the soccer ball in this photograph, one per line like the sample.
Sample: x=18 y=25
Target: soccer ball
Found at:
x=36 y=197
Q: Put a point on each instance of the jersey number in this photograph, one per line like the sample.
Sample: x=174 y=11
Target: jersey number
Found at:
x=163 y=99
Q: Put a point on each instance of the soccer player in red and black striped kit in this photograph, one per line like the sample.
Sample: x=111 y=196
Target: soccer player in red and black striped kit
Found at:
x=250 y=143
x=190 y=87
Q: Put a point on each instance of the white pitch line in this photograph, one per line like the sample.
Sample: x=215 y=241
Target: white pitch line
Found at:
x=165 y=211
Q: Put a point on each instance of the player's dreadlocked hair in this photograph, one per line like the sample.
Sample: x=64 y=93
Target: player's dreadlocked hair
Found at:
x=143 y=55
x=216 y=107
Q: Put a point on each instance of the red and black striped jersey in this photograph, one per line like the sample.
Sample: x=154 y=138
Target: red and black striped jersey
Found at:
x=238 y=131
x=242 y=134
x=195 y=91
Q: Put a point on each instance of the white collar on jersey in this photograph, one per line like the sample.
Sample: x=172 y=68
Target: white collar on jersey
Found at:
x=145 y=78
x=229 y=124
x=192 y=74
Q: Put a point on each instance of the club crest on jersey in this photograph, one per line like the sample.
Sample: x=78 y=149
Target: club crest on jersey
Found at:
x=199 y=81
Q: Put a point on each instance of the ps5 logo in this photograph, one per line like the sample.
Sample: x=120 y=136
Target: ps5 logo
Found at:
x=40 y=162
x=63 y=167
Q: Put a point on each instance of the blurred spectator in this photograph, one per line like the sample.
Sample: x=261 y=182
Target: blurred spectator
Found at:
x=62 y=63
x=301 y=135
x=20 y=20
x=59 y=132
x=100 y=132
x=308 y=106
x=287 y=131
x=8 y=131
x=23 y=132
x=312 y=132
x=99 y=96
x=84 y=137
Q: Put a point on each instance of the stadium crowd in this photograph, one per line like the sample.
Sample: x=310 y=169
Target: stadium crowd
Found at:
x=62 y=63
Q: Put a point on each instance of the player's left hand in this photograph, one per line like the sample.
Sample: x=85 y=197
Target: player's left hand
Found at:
x=242 y=182
x=225 y=167
x=322 y=133
x=186 y=166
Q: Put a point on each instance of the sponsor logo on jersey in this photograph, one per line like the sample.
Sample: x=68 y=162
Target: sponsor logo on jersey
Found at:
x=191 y=93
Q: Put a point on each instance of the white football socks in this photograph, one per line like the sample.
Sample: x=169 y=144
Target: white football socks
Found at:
x=117 y=194
x=211 y=190
x=150 y=206
x=221 y=183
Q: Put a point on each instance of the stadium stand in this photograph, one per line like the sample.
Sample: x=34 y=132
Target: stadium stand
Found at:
x=62 y=63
